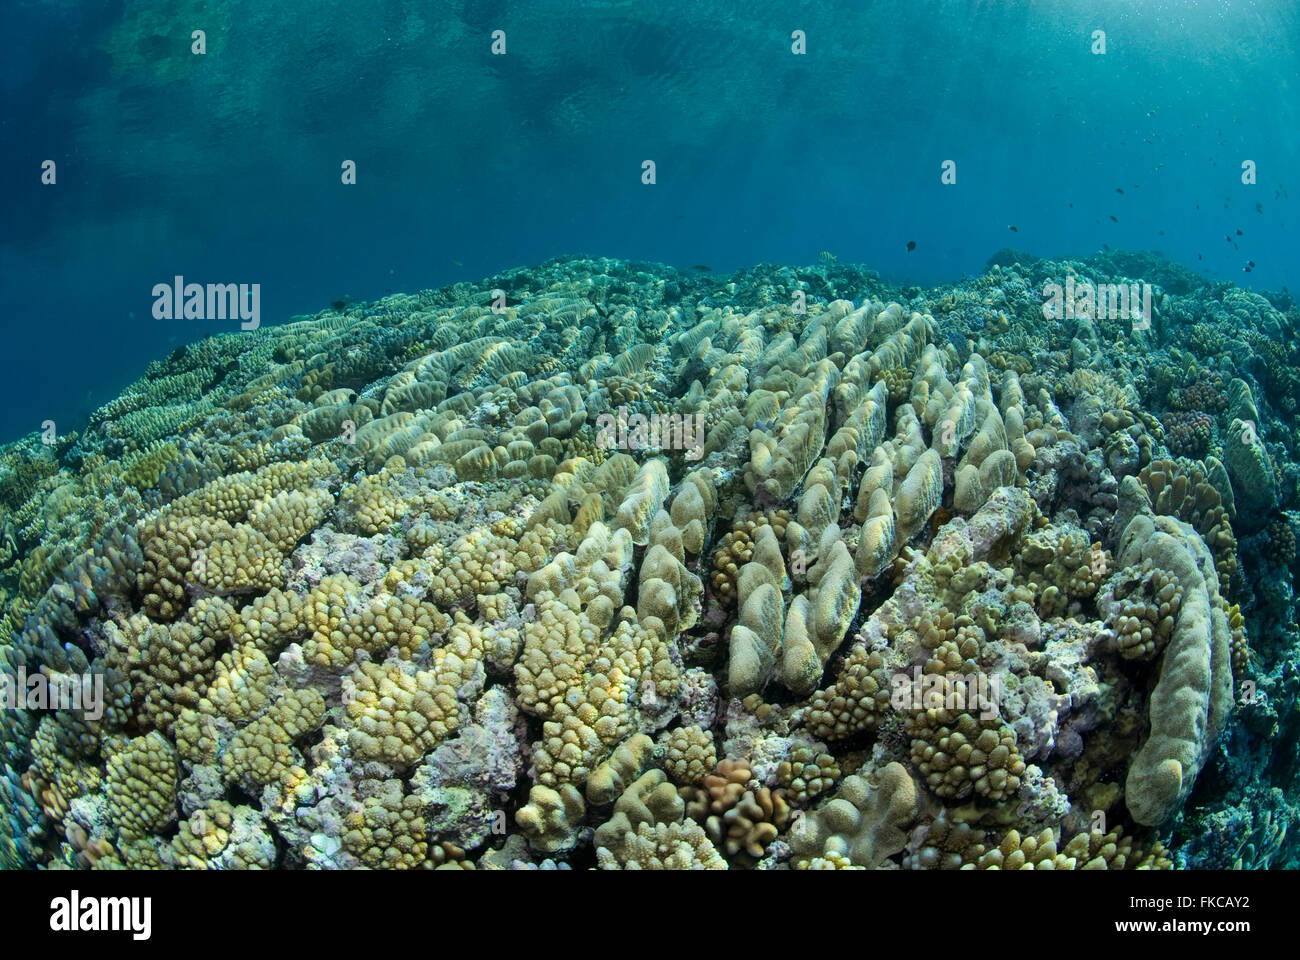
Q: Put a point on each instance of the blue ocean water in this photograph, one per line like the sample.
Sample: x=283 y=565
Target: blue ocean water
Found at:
x=226 y=166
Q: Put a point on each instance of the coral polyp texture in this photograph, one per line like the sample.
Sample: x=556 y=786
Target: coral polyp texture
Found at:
x=634 y=569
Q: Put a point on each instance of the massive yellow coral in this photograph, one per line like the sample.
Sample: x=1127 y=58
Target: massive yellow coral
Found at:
x=861 y=826
x=140 y=786
x=400 y=714
x=261 y=753
x=648 y=832
x=1193 y=696
x=343 y=623
x=388 y=831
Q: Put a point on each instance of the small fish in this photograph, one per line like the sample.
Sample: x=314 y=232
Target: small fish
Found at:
x=1115 y=218
x=1162 y=233
x=1119 y=189
x=457 y=262
x=1234 y=245
x=703 y=268
x=1012 y=229
x=1259 y=208
x=1251 y=262
x=1105 y=246
x=911 y=245
x=1247 y=269
x=1200 y=256
x=1159 y=165
x=1228 y=238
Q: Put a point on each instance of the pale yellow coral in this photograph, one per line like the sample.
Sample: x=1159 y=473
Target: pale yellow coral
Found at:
x=261 y=753
x=140 y=786
x=399 y=714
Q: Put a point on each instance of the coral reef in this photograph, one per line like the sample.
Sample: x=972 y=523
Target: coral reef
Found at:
x=648 y=570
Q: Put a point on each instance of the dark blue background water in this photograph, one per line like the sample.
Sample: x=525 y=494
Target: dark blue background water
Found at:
x=226 y=167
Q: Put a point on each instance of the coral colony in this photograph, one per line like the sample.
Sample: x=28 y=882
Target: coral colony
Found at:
x=636 y=567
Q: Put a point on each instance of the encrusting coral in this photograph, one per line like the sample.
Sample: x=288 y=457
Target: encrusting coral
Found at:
x=644 y=570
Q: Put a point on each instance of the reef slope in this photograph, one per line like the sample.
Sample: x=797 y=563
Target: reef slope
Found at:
x=600 y=563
